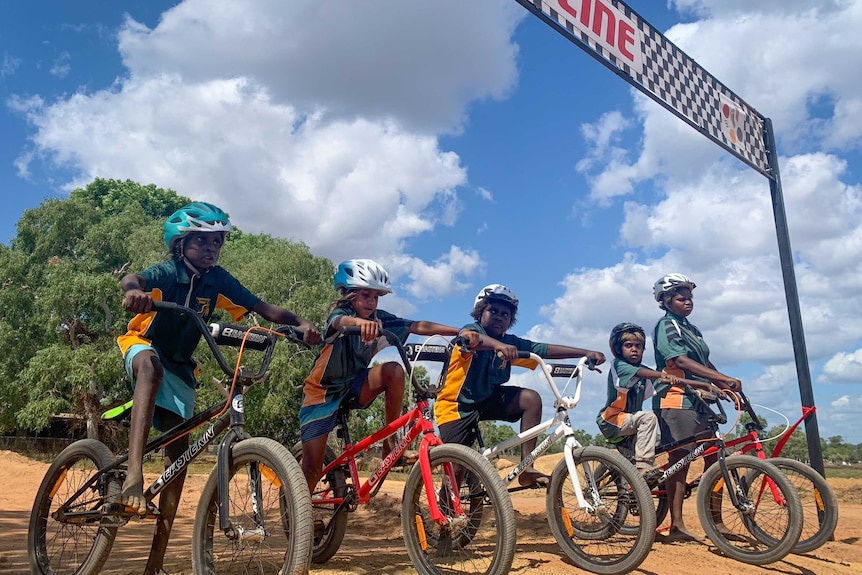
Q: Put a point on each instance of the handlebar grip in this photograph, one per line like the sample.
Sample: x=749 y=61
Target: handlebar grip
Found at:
x=292 y=333
x=226 y=334
x=351 y=330
x=165 y=306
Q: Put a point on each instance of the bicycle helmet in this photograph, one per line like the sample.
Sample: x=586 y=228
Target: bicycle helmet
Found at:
x=621 y=329
x=196 y=217
x=671 y=282
x=497 y=292
x=356 y=274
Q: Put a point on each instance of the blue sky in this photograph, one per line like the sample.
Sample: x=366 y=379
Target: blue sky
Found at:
x=462 y=144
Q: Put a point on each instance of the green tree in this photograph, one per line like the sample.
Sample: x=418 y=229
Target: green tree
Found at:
x=61 y=305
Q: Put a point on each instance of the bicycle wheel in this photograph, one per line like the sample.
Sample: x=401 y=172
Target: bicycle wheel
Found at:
x=765 y=524
x=269 y=511
x=616 y=530
x=819 y=507
x=67 y=532
x=329 y=525
x=483 y=540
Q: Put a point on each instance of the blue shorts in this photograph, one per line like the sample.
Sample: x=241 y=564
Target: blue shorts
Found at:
x=174 y=395
x=321 y=419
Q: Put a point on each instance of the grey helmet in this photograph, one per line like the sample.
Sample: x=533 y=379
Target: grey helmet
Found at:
x=671 y=282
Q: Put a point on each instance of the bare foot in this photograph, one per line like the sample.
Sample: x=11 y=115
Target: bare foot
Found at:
x=532 y=477
x=677 y=535
x=132 y=496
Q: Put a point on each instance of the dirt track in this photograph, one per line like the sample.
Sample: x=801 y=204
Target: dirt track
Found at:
x=373 y=541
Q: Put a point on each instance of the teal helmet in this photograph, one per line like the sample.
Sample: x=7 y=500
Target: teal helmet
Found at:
x=196 y=217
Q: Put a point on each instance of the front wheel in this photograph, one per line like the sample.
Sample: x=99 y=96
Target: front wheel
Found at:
x=269 y=514
x=481 y=539
x=67 y=533
x=819 y=507
x=764 y=524
x=615 y=529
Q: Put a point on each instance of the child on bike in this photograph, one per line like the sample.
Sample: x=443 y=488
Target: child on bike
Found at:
x=157 y=349
x=629 y=384
x=341 y=373
x=680 y=349
x=474 y=389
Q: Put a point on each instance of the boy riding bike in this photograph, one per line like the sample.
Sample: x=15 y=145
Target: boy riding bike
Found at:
x=157 y=349
x=474 y=389
x=629 y=384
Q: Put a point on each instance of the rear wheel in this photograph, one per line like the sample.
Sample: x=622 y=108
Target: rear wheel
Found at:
x=819 y=507
x=482 y=538
x=329 y=525
x=614 y=532
x=766 y=522
x=269 y=514
x=67 y=532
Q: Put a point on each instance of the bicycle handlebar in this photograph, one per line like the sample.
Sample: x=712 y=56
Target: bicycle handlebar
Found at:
x=233 y=335
x=416 y=354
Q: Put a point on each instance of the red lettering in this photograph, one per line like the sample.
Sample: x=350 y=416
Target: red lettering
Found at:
x=586 y=5
x=627 y=40
x=599 y=22
x=601 y=19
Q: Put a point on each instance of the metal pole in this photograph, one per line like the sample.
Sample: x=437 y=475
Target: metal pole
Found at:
x=806 y=393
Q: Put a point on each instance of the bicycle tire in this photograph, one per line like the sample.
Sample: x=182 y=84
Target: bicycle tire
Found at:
x=762 y=529
x=817 y=499
x=329 y=526
x=270 y=526
x=475 y=543
x=57 y=546
x=597 y=539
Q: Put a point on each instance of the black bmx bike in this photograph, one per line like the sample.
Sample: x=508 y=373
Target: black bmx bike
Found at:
x=254 y=513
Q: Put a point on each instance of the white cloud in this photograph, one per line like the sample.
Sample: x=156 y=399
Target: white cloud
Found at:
x=444 y=277
x=9 y=65
x=61 y=66
x=419 y=63
x=843 y=367
x=223 y=103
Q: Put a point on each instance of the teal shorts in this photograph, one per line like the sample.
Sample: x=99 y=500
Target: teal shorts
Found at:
x=174 y=395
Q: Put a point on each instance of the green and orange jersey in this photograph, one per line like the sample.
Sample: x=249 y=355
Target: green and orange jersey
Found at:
x=341 y=359
x=174 y=337
x=626 y=394
x=471 y=377
x=674 y=337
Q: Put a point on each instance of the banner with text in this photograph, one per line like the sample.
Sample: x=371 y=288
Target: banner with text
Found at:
x=619 y=38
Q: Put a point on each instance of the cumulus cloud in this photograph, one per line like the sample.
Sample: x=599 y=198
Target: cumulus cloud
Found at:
x=843 y=367
x=222 y=102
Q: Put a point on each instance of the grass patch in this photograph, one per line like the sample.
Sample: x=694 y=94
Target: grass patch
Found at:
x=844 y=472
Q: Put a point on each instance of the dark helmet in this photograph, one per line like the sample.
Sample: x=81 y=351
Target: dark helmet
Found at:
x=616 y=340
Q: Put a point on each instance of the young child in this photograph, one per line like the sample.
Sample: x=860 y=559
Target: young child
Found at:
x=474 y=387
x=341 y=373
x=629 y=384
x=158 y=347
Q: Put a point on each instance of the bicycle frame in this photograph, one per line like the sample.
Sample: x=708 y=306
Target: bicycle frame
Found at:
x=417 y=421
x=232 y=418
x=559 y=422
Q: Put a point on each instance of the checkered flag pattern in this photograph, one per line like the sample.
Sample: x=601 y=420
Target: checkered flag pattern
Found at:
x=670 y=76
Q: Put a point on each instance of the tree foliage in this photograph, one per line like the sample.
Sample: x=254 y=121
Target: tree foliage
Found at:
x=61 y=305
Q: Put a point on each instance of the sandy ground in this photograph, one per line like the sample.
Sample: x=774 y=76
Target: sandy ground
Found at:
x=373 y=542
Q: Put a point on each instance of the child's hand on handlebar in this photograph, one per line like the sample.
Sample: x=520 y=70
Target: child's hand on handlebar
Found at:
x=505 y=351
x=310 y=335
x=137 y=301
x=669 y=378
x=369 y=329
x=473 y=339
x=595 y=358
x=731 y=383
